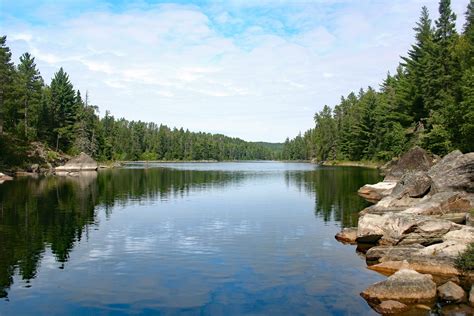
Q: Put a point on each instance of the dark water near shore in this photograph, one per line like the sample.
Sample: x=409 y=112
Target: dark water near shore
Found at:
x=213 y=239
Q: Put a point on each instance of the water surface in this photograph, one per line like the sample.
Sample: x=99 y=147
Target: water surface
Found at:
x=193 y=238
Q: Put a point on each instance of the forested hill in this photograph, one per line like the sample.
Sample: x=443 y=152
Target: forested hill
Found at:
x=429 y=101
x=61 y=118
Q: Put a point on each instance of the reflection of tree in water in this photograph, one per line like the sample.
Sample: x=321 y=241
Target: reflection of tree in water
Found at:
x=335 y=190
x=57 y=211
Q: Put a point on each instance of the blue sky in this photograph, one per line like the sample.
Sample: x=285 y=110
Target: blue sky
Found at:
x=258 y=70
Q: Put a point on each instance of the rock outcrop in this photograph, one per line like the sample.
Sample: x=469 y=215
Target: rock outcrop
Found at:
x=82 y=162
x=405 y=286
x=422 y=221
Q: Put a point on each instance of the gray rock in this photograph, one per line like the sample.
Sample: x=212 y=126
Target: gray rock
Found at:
x=416 y=159
x=397 y=228
x=391 y=253
x=405 y=286
x=414 y=184
x=451 y=292
x=80 y=163
x=455 y=172
x=444 y=203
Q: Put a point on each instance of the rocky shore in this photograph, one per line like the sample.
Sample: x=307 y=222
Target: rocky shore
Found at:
x=422 y=220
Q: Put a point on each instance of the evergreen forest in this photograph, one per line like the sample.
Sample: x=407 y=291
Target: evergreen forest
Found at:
x=62 y=118
x=429 y=101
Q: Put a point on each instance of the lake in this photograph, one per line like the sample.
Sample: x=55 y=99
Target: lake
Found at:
x=253 y=238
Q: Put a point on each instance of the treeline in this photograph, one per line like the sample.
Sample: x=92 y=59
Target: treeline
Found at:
x=59 y=116
x=429 y=101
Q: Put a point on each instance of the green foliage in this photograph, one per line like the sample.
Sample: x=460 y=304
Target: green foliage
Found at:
x=429 y=101
x=58 y=116
x=465 y=261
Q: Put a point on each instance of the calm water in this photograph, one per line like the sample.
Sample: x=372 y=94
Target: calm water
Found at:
x=212 y=239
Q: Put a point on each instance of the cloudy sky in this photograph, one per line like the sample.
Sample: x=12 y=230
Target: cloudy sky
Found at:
x=258 y=70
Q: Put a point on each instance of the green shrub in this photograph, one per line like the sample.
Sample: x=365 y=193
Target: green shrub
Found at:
x=465 y=260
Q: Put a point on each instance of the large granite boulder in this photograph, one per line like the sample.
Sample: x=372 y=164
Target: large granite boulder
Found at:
x=405 y=286
x=380 y=254
x=451 y=292
x=375 y=192
x=82 y=162
x=396 y=228
x=414 y=184
x=443 y=203
x=455 y=172
x=416 y=159
x=391 y=204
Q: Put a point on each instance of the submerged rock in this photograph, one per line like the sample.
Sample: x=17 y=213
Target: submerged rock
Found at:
x=451 y=292
x=405 y=286
x=390 y=307
x=82 y=162
x=347 y=235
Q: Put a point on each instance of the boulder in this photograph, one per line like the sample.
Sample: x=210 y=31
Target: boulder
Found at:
x=396 y=228
x=450 y=248
x=405 y=286
x=379 y=254
x=427 y=232
x=464 y=235
x=414 y=184
x=4 y=177
x=451 y=292
x=455 y=172
x=390 y=307
x=391 y=204
x=375 y=192
x=416 y=159
x=79 y=163
x=347 y=236
x=441 y=268
x=442 y=203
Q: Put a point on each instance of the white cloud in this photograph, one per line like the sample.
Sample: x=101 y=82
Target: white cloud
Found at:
x=178 y=65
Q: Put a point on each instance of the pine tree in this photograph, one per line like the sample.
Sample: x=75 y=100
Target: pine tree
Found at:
x=63 y=107
x=6 y=78
x=417 y=67
x=29 y=93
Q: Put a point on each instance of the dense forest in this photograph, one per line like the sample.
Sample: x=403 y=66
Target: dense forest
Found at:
x=429 y=101
x=63 y=119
